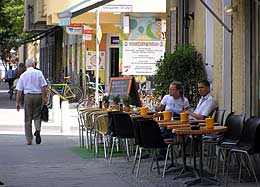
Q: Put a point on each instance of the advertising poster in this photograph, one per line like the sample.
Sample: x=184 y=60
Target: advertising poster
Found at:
x=91 y=60
x=140 y=57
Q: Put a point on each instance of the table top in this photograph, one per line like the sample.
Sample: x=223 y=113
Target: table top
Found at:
x=155 y=115
x=202 y=130
x=162 y=123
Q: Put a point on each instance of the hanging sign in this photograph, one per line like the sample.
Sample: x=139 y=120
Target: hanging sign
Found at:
x=87 y=33
x=74 y=29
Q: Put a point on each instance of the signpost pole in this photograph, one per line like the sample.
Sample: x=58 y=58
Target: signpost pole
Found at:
x=97 y=55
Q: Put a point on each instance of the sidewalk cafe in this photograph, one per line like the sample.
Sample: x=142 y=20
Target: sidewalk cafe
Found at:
x=216 y=150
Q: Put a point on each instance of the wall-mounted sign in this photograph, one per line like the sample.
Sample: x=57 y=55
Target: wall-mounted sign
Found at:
x=116 y=8
x=74 y=29
x=140 y=57
x=91 y=60
x=115 y=40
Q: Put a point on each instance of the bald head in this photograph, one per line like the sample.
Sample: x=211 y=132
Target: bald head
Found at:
x=29 y=63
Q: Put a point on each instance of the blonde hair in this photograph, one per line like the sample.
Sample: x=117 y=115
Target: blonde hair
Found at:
x=179 y=87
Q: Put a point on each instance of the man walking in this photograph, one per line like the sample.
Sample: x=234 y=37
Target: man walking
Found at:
x=10 y=75
x=34 y=86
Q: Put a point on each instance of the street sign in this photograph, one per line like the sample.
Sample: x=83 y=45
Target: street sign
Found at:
x=99 y=34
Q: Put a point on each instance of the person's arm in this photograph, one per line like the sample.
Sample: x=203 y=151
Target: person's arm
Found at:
x=160 y=107
x=44 y=95
x=197 y=116
x=17 y=101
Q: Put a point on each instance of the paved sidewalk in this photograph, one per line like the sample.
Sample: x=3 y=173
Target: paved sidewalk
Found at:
x=52 y=164
x=12 y=121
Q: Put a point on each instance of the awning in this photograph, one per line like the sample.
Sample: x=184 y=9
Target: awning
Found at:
x=78 y=9
x=41 y=35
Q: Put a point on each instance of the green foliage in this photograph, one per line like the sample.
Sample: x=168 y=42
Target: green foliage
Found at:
x=127 y=100
x=11 y=23
x=106 y=99
x=185 y=65
x=116 y=99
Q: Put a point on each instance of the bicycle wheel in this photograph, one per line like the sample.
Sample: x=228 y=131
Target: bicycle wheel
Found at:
x=50 y=97
x=77 y=93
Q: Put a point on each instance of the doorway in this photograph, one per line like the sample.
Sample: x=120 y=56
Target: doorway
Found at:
x=114 y=62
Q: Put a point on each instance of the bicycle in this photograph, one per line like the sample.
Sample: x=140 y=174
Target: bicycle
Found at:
x=65 y=91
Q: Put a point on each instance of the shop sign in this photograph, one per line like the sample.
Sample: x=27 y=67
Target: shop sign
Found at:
x=115 y=40
x=87 y=33
x=140 y=57
x=91 y=60
x=74 y=29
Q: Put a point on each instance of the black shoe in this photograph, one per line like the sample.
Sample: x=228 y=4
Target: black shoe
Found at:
x=1 y=183
x=38 y=137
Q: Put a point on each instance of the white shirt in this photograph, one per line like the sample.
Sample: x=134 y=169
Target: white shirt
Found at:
x=174 y=105
x=31 y=81
x=206 y=105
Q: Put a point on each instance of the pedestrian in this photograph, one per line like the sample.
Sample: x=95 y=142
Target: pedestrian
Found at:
x=34 y=85
x=10 y=76
x=19 y=71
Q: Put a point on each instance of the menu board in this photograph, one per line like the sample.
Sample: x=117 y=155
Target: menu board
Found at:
x=122 y=86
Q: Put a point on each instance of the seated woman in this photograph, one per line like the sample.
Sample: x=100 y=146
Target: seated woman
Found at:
x=174 y=102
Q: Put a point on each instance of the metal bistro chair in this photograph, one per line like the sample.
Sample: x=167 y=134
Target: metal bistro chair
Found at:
x=248 y=145
x=149 y=137
x=101 y=128
x=234 y=124
x=122 y=130
x=210 y=141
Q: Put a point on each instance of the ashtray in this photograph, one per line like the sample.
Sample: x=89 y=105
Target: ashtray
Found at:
x=194 y=127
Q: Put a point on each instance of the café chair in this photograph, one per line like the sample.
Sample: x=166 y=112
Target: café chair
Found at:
x=234 y=124
x=101 y=128
x=81 y=121
x=122 y=129
x=149 y=137
x=210 y=140
x=247 y=145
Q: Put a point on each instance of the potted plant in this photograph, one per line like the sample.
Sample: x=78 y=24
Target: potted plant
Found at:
x=186 y=65
x=116 y=100
x=126 y=102
x=106 y=101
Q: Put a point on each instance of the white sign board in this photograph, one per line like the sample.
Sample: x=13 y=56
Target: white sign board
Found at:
x=74 y=29
x=116 y=8
x=140 y=57
x=91 y=60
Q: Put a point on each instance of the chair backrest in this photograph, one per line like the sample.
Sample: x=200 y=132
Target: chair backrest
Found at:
x=218 y=118
x=137 y=136
x=111 y=126
x=250 y=135
x=150 y=134
x=234 y=125
x=102 y=123
x=123 y=127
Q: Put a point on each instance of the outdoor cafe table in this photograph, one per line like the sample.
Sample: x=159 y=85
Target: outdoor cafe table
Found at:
x=152 y=116
x=197 y=142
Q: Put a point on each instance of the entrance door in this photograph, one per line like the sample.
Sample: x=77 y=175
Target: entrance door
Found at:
x=114 y=62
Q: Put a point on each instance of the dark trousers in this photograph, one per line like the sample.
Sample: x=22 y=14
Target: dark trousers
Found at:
x=32 y=112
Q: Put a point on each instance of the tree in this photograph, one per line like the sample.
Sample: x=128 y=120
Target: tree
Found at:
x=185 y=65
x=11 y=25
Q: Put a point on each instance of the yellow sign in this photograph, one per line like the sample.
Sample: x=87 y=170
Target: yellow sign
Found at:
x=99 y=34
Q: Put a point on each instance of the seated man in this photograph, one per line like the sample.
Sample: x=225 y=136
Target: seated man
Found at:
x=206 y=104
